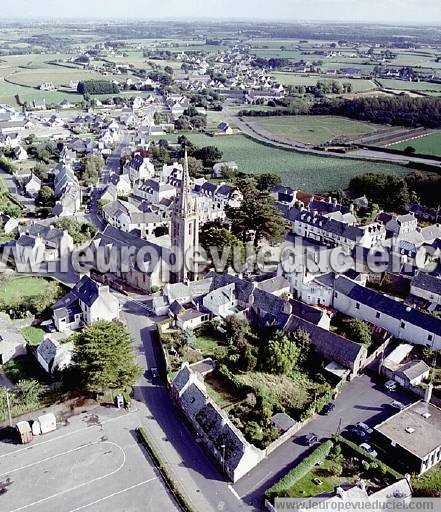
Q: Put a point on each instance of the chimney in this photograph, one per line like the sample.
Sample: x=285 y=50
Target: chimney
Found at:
x=428 y=394
x=361 y=484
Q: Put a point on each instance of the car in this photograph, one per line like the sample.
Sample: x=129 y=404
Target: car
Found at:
x=368 y=448
x=310 y=439
x=362 y=426
x=155 y=373
x=397 y=405
x=390 y=385
x=357 y=434
x=328 y=408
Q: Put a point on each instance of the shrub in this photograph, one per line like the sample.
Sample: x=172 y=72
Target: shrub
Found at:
x=282 y=487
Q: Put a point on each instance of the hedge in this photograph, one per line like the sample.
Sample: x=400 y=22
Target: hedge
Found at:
x=168 y=478
x=281 y=487
x=367 y=456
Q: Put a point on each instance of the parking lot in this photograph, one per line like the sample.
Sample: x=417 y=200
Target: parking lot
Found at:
x=93 y=463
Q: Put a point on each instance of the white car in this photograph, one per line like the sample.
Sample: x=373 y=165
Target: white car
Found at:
x=368 y=448
x=390 y=385
x=397 y=405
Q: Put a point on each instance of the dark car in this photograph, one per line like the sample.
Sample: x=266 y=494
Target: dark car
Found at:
x=356 y=433
x=328 y=408
x=310 y=439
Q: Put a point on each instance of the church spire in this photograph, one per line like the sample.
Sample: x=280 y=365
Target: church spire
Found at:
x=186 y=204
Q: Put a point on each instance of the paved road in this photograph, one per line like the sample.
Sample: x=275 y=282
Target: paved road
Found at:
x=202 y=482
x=93 y=463
x=364 y=399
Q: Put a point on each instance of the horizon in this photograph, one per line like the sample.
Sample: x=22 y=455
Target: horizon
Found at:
x=384 y=12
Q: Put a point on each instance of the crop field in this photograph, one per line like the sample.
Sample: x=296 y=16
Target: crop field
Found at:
x=411 y=86
x=315 y=129
x=306 y=172
x=358 y=85
x=429 y=144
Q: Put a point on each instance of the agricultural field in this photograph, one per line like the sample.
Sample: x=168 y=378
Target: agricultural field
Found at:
x=315 y=129
x=428 y=145
x=358 y=85
x=423 y=87
x=302 y=171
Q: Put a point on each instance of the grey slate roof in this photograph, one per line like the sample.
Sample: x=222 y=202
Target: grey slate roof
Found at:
x=427 y=282
x=413 y=369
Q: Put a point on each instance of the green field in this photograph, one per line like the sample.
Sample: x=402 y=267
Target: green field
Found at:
x=411 y=86
x=23 y=287
x=358 y=85
x=429 y=145
x=315 y=129
x=302 y=171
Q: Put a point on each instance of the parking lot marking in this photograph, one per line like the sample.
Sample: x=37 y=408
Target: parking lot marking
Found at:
x=76 y=487
x=233 y=491
x=114 y=494
x=52 y=439
x=60 y=455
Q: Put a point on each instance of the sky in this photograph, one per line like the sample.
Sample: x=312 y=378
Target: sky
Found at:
x=386 y=11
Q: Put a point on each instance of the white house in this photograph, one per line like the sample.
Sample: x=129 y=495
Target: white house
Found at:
x=20 y=153
x=87 y=302
x=54 y=356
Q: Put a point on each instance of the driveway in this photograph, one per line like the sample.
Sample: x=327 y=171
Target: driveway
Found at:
x=363 y=399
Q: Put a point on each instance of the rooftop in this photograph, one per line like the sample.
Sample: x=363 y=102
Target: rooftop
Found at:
x=416 y=428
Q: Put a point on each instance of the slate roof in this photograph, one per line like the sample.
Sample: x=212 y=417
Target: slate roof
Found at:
x=243 y=290
x=413 y=369
x=308 y=313
x=427 y=282
x=326 y=343
x=382 y=303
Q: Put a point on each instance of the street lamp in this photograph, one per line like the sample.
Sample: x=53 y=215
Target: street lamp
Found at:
x=223 y=458
x=9 y=407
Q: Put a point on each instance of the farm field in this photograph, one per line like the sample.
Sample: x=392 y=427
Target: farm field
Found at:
x=411 y=86
x=429 y=145
x=315 y=129
x=358 y=85
x=302 y=171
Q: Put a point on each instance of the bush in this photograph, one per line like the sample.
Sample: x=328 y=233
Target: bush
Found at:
x=302 y=469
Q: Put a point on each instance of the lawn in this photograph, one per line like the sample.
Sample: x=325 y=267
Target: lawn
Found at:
x=301 y=171
x=429 y=144
x=33 y=335
x=320 y=480
x=315 y=129
x=24 y=287
x=431 y=480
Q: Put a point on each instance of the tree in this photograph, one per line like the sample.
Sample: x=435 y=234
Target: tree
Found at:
x=80 y=232
x=302 y=340
x=358 y=331
x=220 y=240
x=92 y=167
x=237 y=330
x=195 y=167
x=258 y=213
x=280 y=355
x=46 y=196
x=105 y=357
x=209 y=155
x=267 y=181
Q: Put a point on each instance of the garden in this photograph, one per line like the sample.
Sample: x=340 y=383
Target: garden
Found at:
x=259 y=373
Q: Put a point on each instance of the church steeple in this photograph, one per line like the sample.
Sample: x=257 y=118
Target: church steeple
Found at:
x=184 y=224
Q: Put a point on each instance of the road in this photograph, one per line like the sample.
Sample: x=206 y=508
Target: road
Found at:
x=262 y=135
x=93 y=463
x=200 y=478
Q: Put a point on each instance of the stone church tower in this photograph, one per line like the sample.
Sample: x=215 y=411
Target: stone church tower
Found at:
x=184 y=224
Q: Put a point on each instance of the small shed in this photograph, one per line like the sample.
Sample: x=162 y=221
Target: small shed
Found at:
x=282 y=422
x=24 y=431
x=48 y=423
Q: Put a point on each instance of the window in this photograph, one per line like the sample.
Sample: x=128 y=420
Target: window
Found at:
x=430 y=337
x=403 y=325
x=378 y=314
x=335 y=294
x=357 y=305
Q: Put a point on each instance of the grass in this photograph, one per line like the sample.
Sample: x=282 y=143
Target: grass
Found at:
x=291 y=393
x=220 y=392
x=315 y=129
x=306 y=487
x=431 y=480
x=358 y=85
x=33 y=335
x=410 y=86
x=23 y=287
x=25 y=367
x=429 y=144
x=301 y=171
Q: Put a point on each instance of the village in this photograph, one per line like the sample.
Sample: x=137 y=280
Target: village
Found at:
x=238 y=339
